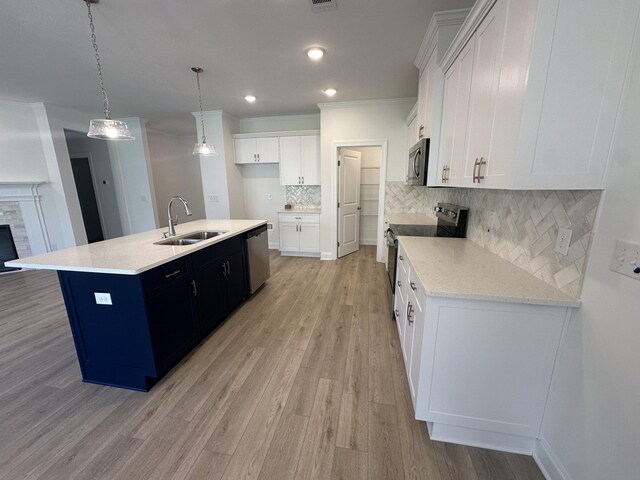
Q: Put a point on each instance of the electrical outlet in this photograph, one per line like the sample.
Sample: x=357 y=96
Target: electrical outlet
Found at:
x=269 y=196
x=103 y=298
x=492 y=220
x=563 y=241
x=626 y=259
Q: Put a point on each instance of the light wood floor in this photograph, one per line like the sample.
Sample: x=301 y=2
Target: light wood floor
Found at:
x=304 y=381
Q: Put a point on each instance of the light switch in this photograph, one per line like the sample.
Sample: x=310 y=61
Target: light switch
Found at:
x=625 y=259
x=103 y=298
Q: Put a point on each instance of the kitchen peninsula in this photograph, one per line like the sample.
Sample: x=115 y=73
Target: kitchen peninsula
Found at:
x=138 y=304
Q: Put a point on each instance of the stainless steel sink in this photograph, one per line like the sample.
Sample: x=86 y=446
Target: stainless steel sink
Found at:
x=202 y=235
x=178 y=241
x=190 y=238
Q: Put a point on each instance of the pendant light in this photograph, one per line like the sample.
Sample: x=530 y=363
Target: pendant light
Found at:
x=203 y=148
x=104 y=128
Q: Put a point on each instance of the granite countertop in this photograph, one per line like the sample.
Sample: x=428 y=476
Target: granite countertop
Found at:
x=133 y=254
x=459 y=268
x=410 y=219
x=301 y=210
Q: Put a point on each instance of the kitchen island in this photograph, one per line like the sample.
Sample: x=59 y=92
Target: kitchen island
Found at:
x=136 y=307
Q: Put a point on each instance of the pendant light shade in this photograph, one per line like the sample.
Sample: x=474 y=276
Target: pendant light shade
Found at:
x=107 y=129
x=203 y=149
x=104 y=128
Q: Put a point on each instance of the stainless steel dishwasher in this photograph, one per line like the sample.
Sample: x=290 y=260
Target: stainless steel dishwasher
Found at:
x=258 y=257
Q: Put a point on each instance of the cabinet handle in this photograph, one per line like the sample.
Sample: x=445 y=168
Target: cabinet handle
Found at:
x=255 y=158
x=228 y=268
x=445 y=174
x=172 y=274
x=410 y=313
x=401 y=258
x=224 y=268
x=420 y=130
x=399 y=283
x=478 y=164
x=397 y=313
x=413 y=286
x=303 y=180
x=258 y=157
x=194 y=288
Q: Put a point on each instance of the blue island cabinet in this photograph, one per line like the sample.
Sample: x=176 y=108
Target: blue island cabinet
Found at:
x=130 y=330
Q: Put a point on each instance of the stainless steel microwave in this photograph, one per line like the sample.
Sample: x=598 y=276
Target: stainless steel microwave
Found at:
x=418 y=163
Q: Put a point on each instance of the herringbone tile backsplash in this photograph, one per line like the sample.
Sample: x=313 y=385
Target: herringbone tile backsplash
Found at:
x=303 y=195
x=525 y=228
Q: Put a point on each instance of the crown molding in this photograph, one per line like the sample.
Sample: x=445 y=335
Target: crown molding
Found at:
x=430 y=40
x=368 y=103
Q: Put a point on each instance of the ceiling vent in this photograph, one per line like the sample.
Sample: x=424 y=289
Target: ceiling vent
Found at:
x=322 y=5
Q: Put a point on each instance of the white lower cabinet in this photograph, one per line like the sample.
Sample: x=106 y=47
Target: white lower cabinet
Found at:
x=300 y=234
x=479 y=371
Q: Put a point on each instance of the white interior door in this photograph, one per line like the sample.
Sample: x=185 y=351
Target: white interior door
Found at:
x=348 y=201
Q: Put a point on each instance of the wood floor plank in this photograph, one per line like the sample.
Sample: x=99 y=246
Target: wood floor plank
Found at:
x=209 y=466
x=349 y=465
x=316 y=460
x=282 y=458
x=248 y=456
x=385 y=454
x=524 y=467
x=490 y=464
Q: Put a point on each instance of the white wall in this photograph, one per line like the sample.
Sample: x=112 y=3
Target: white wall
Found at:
x=279 y=123
x=21 y=152
x=100 y=161
x=176 y=171
x=592 y=421
x=133 y=179
x=358 y=121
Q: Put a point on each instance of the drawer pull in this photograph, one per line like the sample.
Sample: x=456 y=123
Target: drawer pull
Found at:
x=410 y=313
x=194 y=288
x=399 y=283
x=413 y=286
x=172 y=274
x=397 y=313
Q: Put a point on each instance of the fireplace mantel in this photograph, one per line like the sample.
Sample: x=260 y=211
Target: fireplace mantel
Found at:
x=27 y=194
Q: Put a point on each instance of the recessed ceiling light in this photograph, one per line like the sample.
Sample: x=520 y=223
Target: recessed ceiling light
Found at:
x=329 y=92
x=250 y=98
x=315 y=53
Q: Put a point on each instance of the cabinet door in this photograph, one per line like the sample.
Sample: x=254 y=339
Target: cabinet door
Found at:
x=246 y=150
x=268 y=150
x=412 y=133
x=290 y=152
x=210 y=295
x=289 y=237
x=489 y=39
x=309 y=237
x=455 y=116
x=310 y=159
x=423 y=106
x=235 y=279
x=172 y=322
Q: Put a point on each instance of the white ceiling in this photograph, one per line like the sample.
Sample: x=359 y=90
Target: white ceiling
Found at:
x=245 y=46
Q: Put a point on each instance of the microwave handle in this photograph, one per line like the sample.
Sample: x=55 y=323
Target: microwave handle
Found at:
x=416 y=160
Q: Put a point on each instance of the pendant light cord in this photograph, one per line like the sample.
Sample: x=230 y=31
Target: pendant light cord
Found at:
x=107 y=112
x=204 y=138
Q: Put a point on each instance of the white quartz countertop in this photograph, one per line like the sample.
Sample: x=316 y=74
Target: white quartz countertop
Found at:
x=301 y=210
x=133 y=254
x=410 y=219
x=459 y=268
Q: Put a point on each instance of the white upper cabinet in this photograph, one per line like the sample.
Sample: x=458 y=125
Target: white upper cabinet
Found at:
x=545 y=92
x=257 y=150
x=300 y=160
x=440 y=33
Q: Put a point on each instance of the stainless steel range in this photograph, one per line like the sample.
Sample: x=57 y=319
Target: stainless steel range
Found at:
x=452 y=222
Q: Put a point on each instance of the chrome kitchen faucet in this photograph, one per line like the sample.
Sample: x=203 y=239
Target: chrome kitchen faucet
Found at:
x=172 y=228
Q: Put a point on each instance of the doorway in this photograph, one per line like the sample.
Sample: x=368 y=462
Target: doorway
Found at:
x=359 y=197
x=90 y=162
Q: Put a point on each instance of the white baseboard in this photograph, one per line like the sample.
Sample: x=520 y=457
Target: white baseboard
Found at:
x=327 y=256
x=548 y=462
x=299 y=254
x=274 y=245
